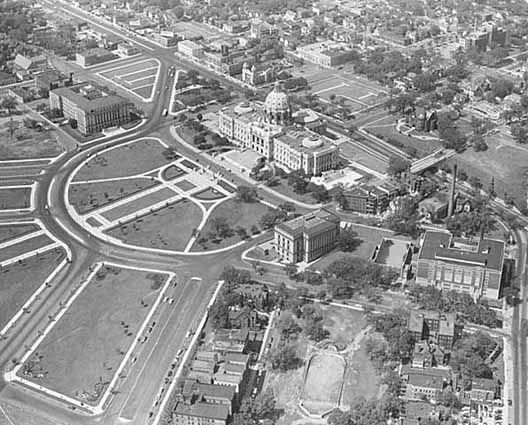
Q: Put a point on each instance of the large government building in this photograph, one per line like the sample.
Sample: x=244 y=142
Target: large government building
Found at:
x=469 y=266
x=274 y=132
x=306 y=238
x=91 y=107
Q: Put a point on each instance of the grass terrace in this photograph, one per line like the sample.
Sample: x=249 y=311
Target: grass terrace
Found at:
x=82 y=352
x=209 y=194
x=172 y=172
x=169 y=228
x=19 y=280
x=15 y=199
x=87 y=197
x=28 y=245
x=135 y=158
x=235 y=214
x=13 y=231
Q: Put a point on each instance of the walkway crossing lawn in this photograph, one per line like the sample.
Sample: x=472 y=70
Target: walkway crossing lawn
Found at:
x=138 y=204
x=127 y=160
x=81 y=353
x=13 y=231
x=237 y=214
x=169 y=228
x=28 y=245
x=90 y=196
x=19 y=280
x=16 y=198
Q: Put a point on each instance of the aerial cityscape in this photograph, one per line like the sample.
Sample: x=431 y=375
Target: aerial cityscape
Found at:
x=261 y=212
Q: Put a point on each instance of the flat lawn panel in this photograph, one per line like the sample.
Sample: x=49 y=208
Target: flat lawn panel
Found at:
x=17 y=198
x=128 y=160
x=169 y=228
x=24 y=246
x=144 y=92
x=126 y=69
x=81 y=353
x=19 y=280
x=139 y=74
x=143 y=82
x=138 y=204
x=12 y=231
x=237 y=214
x=90 y=196
x=209 y=194
x=185 y=185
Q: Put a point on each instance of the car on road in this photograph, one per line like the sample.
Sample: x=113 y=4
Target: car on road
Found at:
x=171 y=300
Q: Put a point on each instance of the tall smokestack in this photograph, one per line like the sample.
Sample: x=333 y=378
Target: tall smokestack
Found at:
x=451 y=206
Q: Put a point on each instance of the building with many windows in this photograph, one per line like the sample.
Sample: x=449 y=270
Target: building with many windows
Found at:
x=306 y=238
x=433 y=326
x=91 y=107
x=326 y=53
x=472 y=266
x=274 y=132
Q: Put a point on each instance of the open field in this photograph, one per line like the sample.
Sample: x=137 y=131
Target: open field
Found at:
x=386 y=130
x=19 y=280
x=138 y=204
x=27 y=143
x=138 y=77
x=90 y=196
x=237 y=214
x=343 y=324
x=15 y=198
x=358 y=94
x=505 y=161
x=80 y=354
x=168 y=228
x=28 y=245
x=128 y=160
x=12 y=231
x=322 y=386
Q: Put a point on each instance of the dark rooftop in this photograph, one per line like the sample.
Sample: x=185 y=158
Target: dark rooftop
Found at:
x=311 y=223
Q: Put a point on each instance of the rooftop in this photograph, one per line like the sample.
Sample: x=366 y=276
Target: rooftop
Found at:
x=310 y=223
x=88 y=104
x=488 y=253
x=304 y=140
x=203 y=410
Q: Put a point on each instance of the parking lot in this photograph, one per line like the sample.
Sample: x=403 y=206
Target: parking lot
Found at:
x=138 y=78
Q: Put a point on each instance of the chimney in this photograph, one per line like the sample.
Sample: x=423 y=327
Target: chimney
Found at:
x=451 y=206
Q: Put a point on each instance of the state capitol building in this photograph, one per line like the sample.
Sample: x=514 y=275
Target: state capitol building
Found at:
x=273 y=131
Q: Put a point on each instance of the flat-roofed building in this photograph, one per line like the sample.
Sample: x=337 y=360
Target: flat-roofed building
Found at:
x=433 y=325
x=200 y=414
x=301 y=149
x=425 y=382
x=370 y=198
x=190 y=48
x=94 y=56
x=91 y=107
x=308 y=237
x=468 y=266
x=327 y=53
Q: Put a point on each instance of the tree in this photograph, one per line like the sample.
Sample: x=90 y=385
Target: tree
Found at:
x=246 y=194
x=404 y=218
x=285 y=359
x=397 y=166
x=73 y=123
x=272 y=217
x=10 y=103
x=348 y=240
x=319 y=192
x=221 y=227
x=520 y=133
x=234 y=276
x=288 y=326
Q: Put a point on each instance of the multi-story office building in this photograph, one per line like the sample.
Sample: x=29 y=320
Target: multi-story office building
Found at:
x=469 y=266
x=327 y=53
x=308 y=237
x=91 y=107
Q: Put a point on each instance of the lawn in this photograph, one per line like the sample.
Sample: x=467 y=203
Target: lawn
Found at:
x=287 y=190
x=28 y=245
x=14 y=199
x=386 y=129
x=139 y=204
x=504 y=161
x=80 y=354
x=323 y=382
x=172 y=172
x=12 y=231
x=168 y=228
x=185 y=185
x=237 y=214
x=128 y=160
x=209 y=194
x=19 y=280
x=87 y=197
x=27 y=143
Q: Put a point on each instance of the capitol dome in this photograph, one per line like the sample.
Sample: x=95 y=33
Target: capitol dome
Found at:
x=277 y=106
